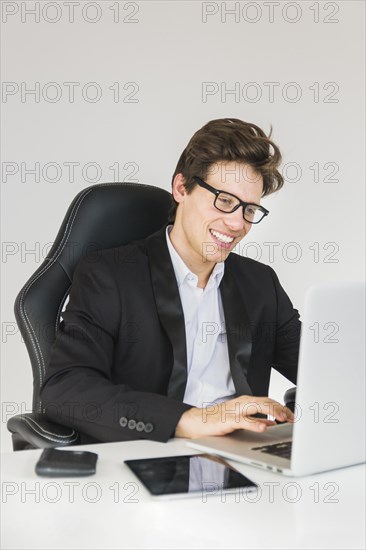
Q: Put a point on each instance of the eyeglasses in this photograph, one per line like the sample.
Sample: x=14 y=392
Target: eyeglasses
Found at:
x=226 y=202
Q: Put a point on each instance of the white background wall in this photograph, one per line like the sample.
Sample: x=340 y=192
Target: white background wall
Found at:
x=174 y=64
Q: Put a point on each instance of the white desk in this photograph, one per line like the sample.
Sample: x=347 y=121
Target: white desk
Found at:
x=112 y=510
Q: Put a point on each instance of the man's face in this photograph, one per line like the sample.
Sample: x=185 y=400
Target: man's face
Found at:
x=197 y=216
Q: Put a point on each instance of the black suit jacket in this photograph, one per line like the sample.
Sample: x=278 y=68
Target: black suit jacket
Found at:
x=118 y=367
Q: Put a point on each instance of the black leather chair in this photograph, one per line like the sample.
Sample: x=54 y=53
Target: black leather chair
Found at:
x=100 y=216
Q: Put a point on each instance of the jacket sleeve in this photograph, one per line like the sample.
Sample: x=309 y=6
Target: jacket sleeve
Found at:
x=287 y=333
x=78 y=391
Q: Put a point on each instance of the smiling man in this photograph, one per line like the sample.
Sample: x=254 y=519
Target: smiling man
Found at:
x=202 y=235
x=207 y=324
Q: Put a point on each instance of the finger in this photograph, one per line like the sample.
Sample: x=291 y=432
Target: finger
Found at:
x=285 y=414
x=290 y=416
x=268 y=408
x=266 y=421
x=280 y=412
x=251 y=405
x=255 y=424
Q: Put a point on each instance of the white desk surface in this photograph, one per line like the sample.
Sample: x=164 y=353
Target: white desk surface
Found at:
x=112 y=510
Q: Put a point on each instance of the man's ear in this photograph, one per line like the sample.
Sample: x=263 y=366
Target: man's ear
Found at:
x=179 y=190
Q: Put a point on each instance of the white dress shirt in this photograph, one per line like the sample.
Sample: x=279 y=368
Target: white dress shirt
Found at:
x=209 y=378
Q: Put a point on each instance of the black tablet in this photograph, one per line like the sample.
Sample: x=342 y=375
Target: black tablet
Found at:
x=189 y=475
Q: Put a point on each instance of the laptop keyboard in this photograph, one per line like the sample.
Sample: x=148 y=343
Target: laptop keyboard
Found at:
x=278 y=449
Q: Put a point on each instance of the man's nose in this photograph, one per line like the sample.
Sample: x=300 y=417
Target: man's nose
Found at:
x=235 y=220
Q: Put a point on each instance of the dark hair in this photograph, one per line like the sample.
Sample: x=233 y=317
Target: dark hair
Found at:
x=229 y=139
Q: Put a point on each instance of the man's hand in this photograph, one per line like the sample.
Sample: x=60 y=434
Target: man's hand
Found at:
x=235 y=414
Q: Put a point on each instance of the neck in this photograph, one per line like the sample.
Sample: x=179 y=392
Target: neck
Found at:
x=199 y=268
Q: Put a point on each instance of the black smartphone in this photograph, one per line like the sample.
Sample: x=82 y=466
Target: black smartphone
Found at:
x=189 y=475
x=56 y=463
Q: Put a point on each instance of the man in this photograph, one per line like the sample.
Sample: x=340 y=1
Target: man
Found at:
x=175 y=335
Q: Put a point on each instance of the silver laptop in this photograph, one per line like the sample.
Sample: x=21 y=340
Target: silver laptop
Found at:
x=329 y=427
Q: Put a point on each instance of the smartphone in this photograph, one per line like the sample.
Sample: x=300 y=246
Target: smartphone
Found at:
x=56 y=463
x=189 y=475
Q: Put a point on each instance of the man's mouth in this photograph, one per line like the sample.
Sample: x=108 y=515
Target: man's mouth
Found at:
x=220 y=238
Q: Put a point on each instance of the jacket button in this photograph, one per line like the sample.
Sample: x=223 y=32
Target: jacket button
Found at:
x=132 y=424
x=140 y=426
x=148 y=427
x=123 y=421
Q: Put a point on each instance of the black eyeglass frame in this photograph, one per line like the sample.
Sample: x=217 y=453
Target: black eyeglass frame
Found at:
x=216 y=192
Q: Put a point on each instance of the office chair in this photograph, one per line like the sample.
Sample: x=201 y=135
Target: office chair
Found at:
x=101 y=216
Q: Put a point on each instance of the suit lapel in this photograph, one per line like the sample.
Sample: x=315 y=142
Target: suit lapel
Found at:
x=238 y=331
x=171 y=316
x=170 y=309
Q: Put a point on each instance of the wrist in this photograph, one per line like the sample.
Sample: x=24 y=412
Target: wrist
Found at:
x=184 y=426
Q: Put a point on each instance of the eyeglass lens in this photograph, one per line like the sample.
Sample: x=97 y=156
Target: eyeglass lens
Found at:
x=227 y=203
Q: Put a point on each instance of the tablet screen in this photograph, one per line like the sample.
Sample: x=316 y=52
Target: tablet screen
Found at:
x=201 y=474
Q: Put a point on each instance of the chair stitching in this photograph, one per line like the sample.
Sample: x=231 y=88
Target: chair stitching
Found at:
x=43 y=431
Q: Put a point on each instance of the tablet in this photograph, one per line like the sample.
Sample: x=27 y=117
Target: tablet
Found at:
x=189 y=475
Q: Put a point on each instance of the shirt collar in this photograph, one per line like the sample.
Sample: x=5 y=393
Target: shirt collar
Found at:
x=182 y=271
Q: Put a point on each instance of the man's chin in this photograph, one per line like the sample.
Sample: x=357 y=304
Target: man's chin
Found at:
x=215 y=253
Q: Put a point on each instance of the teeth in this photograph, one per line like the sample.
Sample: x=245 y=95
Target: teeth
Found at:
x=221 y=237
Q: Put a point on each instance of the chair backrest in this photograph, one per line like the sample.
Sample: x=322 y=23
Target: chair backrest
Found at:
x=100 y=216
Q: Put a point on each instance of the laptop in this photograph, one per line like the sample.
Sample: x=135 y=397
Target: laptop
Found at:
x=329 y=428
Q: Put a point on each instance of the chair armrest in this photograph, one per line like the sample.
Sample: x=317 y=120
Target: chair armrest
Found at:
x=289 y=398
x=35 y=431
